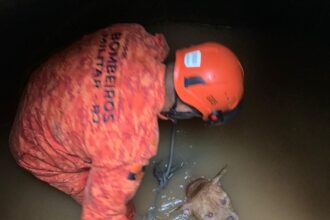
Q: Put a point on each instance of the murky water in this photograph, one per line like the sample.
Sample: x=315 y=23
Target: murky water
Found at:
x=277 y=150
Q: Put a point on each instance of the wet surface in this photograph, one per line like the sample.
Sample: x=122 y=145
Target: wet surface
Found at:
x=277 y=150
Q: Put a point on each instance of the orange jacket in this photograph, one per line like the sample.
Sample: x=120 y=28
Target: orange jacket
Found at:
x=93 y=107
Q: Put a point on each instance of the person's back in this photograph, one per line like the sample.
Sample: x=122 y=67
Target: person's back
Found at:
x=89 y=117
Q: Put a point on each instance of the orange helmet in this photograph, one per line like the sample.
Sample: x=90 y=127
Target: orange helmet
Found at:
x=209 y=77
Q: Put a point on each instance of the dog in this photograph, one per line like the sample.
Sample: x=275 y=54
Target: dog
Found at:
x=206 y=200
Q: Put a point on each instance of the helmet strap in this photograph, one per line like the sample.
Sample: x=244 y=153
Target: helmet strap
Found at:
x=173 y=114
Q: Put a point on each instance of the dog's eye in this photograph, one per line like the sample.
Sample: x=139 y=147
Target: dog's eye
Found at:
x=209 y=214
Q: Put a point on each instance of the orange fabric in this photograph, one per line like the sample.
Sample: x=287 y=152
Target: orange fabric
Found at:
x=130 y=211
x=90 y=113
x=136 y=168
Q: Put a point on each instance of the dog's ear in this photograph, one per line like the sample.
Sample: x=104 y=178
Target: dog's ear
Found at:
x=217 y=178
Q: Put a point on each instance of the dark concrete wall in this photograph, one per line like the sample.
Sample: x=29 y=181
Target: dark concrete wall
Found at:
x=292 y=13
x=33 y=29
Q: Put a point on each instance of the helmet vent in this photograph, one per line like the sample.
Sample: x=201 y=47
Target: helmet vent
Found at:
x=193 y=81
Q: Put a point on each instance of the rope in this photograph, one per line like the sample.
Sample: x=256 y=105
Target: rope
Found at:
x=151 y=215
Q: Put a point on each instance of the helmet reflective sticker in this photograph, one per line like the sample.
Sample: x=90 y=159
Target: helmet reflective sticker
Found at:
x=193 y=59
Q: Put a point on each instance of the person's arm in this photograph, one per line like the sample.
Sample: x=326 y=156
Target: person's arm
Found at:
x=107 y=193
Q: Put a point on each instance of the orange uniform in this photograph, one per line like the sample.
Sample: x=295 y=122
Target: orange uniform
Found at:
x=87 y=122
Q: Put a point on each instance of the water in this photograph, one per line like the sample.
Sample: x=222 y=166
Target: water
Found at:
x=277 y=150
x=168 y=202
